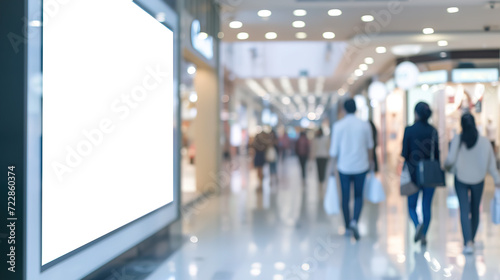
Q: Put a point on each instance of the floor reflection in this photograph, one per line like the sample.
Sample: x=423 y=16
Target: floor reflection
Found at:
x=284 y=233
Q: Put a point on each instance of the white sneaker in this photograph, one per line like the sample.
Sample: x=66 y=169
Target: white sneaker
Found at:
x=469 y=248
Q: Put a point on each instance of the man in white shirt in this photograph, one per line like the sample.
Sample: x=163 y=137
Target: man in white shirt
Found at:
x=352 y=153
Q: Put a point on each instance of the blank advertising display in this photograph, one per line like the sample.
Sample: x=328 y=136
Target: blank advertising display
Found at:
x=107 y=136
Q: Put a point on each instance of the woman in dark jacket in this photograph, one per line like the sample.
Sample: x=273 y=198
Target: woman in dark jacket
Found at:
x=417 y=145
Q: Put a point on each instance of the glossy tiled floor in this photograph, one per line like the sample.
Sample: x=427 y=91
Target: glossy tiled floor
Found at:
x=283 y=233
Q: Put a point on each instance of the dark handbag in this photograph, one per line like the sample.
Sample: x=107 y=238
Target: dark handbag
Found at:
x=429 y=172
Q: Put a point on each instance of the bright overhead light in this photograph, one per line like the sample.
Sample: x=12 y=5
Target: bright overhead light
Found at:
x=369 y=60
x=286 y=85
x=220 y=35
x=303 y=85
x=367 y=18
x=320 y=84
x=299 y=13
x=269 y=85
x=406 y=50
x=235 y=24
x=298 y=24
x=381 y=50
x=202 y=35
x=311 y=116
x=256 y=87
x=452 y=10
x=264 y=13
x=271 y=35
x=328 y=35
x=285 y=100
x=242 y=36
x=300 y=35
x=363 y=67
x=193 y=97
x=358 y=72
x=334 y=12
x=442 y=43
x=428 y=31
x=191 y=70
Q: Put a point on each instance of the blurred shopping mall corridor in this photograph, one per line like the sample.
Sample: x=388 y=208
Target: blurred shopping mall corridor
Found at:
x=284 y=233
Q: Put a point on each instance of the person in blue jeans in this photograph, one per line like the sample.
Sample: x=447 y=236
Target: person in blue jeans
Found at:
x=471 y=156
x=352 y=153
x=417 y=146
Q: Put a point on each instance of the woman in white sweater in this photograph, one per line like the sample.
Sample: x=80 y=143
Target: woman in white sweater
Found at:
x=470 y=158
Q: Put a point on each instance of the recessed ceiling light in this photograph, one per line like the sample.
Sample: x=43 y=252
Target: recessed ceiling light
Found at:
x=369 y=60
x=264 y=13
x=298 y=24
x=381 y=50
x=220 y=35
x=363 y=67
x=367 y=18
x=271 y=35
x=242 y=36
x=442 y=43
x=299 y=13
x=235 y=24
x=358 y=72
x=452 y=10
x=300 y=35
x=334 y=12
x=191 y=70
x=328 y=35
x=341 y=91
x=406 y=50
x=428 y=31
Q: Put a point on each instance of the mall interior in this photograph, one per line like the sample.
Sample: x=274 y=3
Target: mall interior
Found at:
x=135 y=137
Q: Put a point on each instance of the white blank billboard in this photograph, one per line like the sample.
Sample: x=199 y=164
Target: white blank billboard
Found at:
x=108 y=121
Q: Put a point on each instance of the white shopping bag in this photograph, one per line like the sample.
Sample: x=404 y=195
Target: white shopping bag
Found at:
x=374 y=191
x=331 y=202
x=495 y=208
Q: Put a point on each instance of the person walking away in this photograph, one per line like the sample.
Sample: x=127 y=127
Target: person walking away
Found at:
x=272 y=154
x=321 y=147
x=351 y=150
x=259 y=145
x=284 y=145
x=375 y=144
x=491 y=133
x=302 y=148
x=417 y=146
x=471 y=156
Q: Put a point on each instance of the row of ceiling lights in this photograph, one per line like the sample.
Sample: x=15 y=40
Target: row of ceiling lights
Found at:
x=327 y=35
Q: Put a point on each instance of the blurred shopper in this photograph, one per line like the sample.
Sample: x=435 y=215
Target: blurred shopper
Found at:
x=284 y=144
x=302 y=148
x=321 y=147
x=491 y=133
x=259 y=145
x=470 y=158
x=272 y=153
x=375 y=144
x=351 y=150
x=417 y=146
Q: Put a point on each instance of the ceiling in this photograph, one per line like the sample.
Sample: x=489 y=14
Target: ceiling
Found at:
x=395 y=23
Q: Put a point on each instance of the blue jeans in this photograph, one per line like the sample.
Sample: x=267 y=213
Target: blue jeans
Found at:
x=427 y=194
x=345 y=182
x=272 y=167
x=469 y=207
